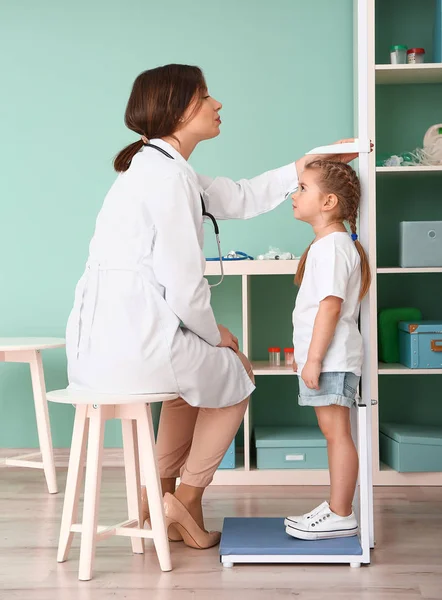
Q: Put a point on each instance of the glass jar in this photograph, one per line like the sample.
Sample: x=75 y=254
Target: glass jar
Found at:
x=275 y=357
x=415 y=56
x=289 y=355
x=398 y=55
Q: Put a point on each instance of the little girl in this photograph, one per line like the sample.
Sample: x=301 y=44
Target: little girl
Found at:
x=333 y=276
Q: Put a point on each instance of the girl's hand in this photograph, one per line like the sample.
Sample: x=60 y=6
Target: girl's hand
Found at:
x=310 y=374
x=228 y=340
x=295 y=366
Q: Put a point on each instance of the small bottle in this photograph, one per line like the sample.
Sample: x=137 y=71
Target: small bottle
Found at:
x=289 y=354
x=398 y=55
x=275 y=357
x=415 y=56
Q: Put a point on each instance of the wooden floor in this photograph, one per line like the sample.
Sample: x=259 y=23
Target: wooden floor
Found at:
x=406 y=564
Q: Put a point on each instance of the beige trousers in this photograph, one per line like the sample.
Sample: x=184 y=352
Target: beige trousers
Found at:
x=191 y=441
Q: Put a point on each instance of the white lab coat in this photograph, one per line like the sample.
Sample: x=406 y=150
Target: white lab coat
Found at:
x=142 y=320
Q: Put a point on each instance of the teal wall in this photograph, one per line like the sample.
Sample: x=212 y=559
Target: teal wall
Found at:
x=67 y=70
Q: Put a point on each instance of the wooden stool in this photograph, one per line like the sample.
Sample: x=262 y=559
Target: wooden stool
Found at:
x=92 y=412
x=28 y=350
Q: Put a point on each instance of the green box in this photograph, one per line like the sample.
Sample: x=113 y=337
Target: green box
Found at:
x=290 y=448
x=411 y=448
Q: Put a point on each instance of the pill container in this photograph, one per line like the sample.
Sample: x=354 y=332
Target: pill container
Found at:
x=288 y=356
x=415 y=56
x=398 y=55
x=275 y=357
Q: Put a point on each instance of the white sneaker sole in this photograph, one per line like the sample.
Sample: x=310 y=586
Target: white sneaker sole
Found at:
x=321 y=535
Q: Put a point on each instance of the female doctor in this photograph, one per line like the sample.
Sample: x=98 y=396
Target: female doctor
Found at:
x=142 y=320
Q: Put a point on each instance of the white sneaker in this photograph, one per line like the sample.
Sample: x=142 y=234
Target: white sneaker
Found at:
x=291 y=520
x=321 y=524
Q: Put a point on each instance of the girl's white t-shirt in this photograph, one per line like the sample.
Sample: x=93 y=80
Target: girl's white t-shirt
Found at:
x=333 y=268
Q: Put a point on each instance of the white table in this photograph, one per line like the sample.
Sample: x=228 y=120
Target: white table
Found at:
x=28 y=350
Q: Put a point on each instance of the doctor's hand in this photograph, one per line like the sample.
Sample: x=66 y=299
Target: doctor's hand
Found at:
x=310 y=374
x=228 y=340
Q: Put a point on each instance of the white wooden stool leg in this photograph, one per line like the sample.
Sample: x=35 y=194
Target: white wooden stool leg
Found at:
x=132 y=469
x=43 y=423
x=146 y=439
x=74 y=482
x=91 y=492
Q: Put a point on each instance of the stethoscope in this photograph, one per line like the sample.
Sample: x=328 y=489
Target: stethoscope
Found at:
x=205 y=214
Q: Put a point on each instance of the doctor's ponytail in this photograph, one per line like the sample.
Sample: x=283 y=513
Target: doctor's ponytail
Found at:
x=157 y=103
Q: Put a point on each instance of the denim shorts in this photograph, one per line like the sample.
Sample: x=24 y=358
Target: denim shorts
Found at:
x=334 y=388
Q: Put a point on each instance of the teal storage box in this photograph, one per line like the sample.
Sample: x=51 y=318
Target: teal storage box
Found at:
x=411 y=448
x=420 y=244
x=420 y=344
x=290 y=448
x=229 y=460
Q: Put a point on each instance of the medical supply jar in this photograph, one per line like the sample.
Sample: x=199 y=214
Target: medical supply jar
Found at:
x=398 y=55
x=275 y=357
x=415 y=56
x=289 y=354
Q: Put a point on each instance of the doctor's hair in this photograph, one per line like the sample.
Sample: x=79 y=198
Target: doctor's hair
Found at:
x=340 y=179
x=157 y=103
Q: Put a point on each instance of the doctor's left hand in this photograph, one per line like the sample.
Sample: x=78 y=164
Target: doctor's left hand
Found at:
x=228 y=340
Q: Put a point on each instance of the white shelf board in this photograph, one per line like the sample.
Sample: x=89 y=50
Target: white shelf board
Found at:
x=386 y=270
x=397 y=369
x=388 y=476
x=253 y=267
x=271 y=477
x=416 y=169
x=262 y=367
x=408 y=74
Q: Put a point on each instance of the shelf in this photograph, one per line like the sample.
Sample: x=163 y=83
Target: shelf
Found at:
x=262 y=367
x=397 y=369
x=401 y=270
x=417 y=169
x=271 y=477
x=408 y=74
x=253 y=267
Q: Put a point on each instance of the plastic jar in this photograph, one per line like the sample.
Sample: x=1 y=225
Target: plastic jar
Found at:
x=275 y=357
x=398 y=55
x=289 y=354
x=415 y=56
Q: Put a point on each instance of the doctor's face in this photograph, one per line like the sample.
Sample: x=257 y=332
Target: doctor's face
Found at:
x=203 y=122
x=308 y=201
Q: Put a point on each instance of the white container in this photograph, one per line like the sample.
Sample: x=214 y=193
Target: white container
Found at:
x=415 y=56
x=275 y=356
x=398 y=55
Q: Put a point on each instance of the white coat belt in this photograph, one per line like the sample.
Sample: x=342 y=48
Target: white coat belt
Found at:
x=91 y=282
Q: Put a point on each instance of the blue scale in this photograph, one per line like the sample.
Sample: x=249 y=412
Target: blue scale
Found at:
x=264 y=540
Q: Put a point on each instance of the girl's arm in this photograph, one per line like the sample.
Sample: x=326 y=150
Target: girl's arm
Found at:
x=323 y=332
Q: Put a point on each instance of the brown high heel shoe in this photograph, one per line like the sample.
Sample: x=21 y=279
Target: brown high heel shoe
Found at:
x=192 y=534
x=172 y=533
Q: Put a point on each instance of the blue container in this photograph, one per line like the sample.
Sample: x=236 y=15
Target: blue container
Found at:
x=420 y=344
x=229 y=460
x=290 y=448
x=437 y=41
x=411 y=448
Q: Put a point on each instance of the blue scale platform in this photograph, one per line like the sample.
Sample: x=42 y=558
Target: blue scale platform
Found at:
x=263 y=536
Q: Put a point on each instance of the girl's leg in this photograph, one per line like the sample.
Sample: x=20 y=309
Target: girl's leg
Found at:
x=334 y=422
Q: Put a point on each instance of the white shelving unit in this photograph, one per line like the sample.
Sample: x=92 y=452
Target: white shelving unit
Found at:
x=408 y=74
x=407 y=170
x=403 y=270
x=386 y=74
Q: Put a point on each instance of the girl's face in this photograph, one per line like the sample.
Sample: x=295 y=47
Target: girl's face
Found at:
x=309 y=202
x=204 y=122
